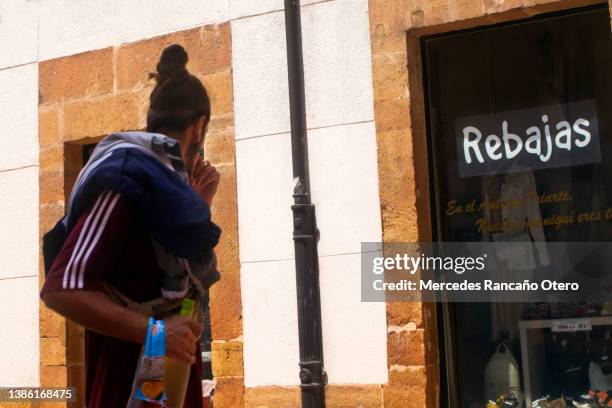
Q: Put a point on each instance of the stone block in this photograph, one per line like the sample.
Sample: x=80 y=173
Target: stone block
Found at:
x=215 y=49
x=220 y=92
x=51 y=186
x=78 y=76
x=390 y=76
x=51 y=157
x=136 y=60
x=53 y=376
x=52 y=351
x=227 y=358
x=402 y=313
x=363 y=396
x=48 y=126
x=98 y=117
x=272 y=397
x=51 y=324
x=229 y=392
x=219 y=146
x=406 y=347
x=392 y=114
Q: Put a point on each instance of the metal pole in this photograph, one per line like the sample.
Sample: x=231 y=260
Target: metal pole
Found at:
x=305 y=232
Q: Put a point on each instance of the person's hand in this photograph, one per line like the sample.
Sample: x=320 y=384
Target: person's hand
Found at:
x=204 y=179
x=182 y=334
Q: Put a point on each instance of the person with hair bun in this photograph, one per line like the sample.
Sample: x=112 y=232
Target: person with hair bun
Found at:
x=137 y=239
x=180 y=107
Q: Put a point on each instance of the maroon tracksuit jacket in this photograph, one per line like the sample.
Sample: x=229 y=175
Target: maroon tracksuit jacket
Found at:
x=109 y=243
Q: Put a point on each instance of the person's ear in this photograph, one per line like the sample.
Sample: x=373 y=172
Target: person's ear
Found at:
x=202 y=127
x=196 y=131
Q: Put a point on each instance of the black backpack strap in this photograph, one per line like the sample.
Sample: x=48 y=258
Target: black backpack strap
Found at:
x=158 y=307
x=52 y=244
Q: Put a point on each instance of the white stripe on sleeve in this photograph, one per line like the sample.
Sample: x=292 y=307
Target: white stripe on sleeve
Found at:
x=82 y=234
x=89 y=234
x=99 y=231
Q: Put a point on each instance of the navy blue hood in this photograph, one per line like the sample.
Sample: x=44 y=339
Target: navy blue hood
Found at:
x=147 y=169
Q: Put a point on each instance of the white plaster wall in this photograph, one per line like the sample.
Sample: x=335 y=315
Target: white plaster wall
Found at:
x=84 y=25
x=269 y=310
x=77 y=26
x=19 y=344
x=19 y=357
x=337 y=63
x=19 y=113
x=354 y=334
x=263 y=170
x=18 y=32
x=344 y=181
x=248 y=8
x=148 y=18
x=19 y=223
x=259 y=61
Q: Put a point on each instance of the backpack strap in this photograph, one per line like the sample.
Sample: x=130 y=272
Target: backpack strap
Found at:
x=201 y=272
x=52 y=243
x=156 y=307
x=197 y=283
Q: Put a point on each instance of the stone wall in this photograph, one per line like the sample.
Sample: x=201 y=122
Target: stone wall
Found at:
x=363 y=123
x=395 y=29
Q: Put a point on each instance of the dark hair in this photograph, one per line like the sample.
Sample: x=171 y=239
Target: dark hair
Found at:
x=179 y=98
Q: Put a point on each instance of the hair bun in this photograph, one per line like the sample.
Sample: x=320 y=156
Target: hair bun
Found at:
x=172 y=63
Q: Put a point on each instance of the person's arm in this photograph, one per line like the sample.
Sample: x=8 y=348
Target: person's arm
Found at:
x=97 y=312
x=74 y=287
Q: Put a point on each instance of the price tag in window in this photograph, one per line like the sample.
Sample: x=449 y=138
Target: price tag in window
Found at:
x=571 y=325
x=206 y=356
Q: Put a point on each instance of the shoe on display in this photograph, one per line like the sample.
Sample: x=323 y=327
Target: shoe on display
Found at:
x=585 y=401
x=558 y=403
x=511 y=402
x=541 y=402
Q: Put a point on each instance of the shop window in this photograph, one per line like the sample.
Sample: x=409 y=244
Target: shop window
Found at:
x=543 y=89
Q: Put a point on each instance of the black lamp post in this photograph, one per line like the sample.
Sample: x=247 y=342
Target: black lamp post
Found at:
x=305 y=232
